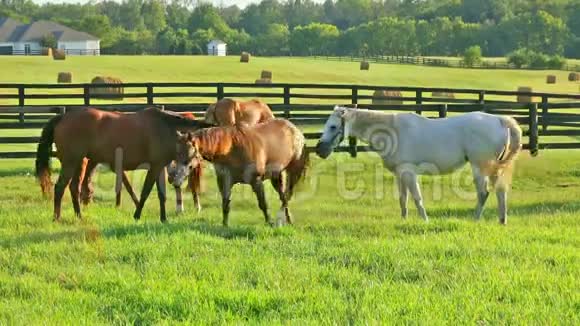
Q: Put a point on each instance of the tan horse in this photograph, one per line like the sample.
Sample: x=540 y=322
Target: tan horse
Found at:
x=147 y=136
x=248 y=155
x=228 y=112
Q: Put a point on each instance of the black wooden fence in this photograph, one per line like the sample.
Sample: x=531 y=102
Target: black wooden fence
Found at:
x=550 y=121
x=438 y=62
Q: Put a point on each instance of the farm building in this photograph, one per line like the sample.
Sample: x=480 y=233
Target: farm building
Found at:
x=217 y=47
x=17 y=38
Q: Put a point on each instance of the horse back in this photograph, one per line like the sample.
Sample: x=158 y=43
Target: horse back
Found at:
x=282 y=141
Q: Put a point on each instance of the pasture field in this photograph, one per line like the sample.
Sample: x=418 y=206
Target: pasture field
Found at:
x=349 y=258
x=291 y=70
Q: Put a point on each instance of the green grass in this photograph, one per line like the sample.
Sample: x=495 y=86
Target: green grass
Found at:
x=349 y=258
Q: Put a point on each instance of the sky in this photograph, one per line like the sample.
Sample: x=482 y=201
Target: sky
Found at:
x=240 y=3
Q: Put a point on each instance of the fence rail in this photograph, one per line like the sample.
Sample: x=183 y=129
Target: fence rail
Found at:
x=437 y=62
x=552 y=121
x=66 y=51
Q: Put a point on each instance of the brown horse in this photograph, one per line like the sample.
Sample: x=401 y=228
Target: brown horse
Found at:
x=248 y=155
x=228 y=112
x=146 y=137
x=193 y=182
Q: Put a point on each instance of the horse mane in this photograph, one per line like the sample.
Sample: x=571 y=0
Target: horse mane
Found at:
x=175 y=120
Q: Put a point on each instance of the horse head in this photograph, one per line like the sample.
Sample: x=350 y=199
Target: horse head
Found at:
x=334 y=132
x=187 y=158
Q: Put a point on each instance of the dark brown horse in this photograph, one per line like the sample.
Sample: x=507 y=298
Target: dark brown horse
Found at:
x=147 y=137
x=229 y=112
x=193 y=182
x=248 y=155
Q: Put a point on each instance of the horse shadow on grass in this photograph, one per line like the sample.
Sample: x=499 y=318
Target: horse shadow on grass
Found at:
x=92 y=233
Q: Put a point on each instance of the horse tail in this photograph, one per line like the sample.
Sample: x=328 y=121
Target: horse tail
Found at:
x=297 y=171
x=43 y=152
x=513 y=147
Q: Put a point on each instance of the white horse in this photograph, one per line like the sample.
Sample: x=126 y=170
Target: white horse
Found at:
x=411 y=145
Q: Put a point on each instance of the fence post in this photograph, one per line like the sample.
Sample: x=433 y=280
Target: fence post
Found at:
x=418 y=100
x=443 y=111
x=481 y=98
x=149 y=94
x=87 y=95
x=352 y=143
x=220 y=91
x=544 y=113
x=287 y=102
x=21 y=103
x=533 y=128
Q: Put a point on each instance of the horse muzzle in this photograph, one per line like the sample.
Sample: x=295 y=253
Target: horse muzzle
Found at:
x=323 y=150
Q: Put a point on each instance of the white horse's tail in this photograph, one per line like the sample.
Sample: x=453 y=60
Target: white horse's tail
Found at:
x=513 y=146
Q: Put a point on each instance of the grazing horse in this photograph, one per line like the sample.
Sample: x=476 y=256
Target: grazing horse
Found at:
x=147 y=136
x=410 y=145
x=228 y=112
x=248 y=155
x=193 y=182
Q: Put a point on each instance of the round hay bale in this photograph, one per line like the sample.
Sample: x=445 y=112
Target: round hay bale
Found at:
x=263 y=81
x=574 y=76
x=525 y=98
x=387 y=97
x=245 y=57
x=266 y=74
x=551 y=79
x=443 y=95
x=58 y=54
x=64 y=78
x=46 y=52
x=364 y=65
x=112 y=92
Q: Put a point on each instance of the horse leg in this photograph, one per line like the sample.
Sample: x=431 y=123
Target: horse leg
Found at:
x=161 y=194
x=130 y=190
x=481 y=188
x=178 y=200
x=258 y=187
x=501 y=195
x=194 y=183
x=410 y=180
x=75 y=189
x=225 y=187
x=66 y=173
x=147 y=186
x=87 y=189
x=403 y=193
x=279 y=184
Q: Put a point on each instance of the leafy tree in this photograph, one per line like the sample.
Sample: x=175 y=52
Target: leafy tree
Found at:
x=472 y=56
x=314 y=38
x=206 y=17
x=48 y=41
x=99 y=26
x=154 y=16
x=274 y=41
x=255 y=18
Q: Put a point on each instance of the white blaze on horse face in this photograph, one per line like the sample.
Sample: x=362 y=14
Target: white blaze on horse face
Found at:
x=185 y=162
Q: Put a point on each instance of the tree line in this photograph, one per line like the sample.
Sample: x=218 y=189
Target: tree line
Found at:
x=304 y=27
